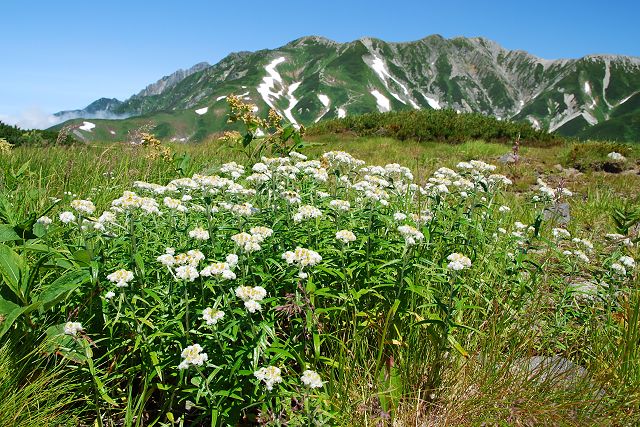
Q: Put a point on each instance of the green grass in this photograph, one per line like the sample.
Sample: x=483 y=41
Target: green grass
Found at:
x=379 y=359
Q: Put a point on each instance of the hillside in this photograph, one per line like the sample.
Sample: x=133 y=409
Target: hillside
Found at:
x=313 y=79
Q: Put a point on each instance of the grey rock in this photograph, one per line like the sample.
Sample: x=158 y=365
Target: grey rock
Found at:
x=508 y=158
x=552 y=369
x=585 y=291
x=559 y=213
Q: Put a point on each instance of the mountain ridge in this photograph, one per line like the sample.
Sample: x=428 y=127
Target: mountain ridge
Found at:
x=313 y=78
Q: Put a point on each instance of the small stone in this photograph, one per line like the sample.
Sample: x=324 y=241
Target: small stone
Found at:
x=508 y=158
x=554 y=369
x=559 y=213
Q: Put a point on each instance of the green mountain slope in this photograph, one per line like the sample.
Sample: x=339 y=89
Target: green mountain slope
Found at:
x=312 y=79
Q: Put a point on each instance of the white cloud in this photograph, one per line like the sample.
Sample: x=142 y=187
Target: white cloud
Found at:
x=31 y=118
x=37 y=118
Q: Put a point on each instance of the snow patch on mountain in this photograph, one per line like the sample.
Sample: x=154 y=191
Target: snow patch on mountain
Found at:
x=201 y=111
x=220 y=98
x=605 y=81
x=589 y=118
x=383 y=102
x=292 y=102
x=433 y=103
x=379 y=66
x=269 y=81
x=342 y=113
x=627 y=98
x=87 y=126
x=325 y=102
x=534 y=122
x=324 y=99
x=587 y=88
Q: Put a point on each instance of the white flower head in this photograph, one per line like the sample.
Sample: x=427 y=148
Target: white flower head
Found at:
x=306 y=212
x=187 y=272
x=72 y=328
x=399 y=216
x=199 y=233
x=346 y=236
x=302 y=256
x=44 y=220
x=193 y=355
x=411 y=234
x=619 y=269
x=252 y=306
x=67 y=217
x=211 y=315
x=311 y=379
x=232 y=260
x=616 y=157
x=121 y=278
x=458 y=262
x=83 y=206
x=269 y=375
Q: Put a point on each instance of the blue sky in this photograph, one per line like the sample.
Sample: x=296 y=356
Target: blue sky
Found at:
x=60 y=55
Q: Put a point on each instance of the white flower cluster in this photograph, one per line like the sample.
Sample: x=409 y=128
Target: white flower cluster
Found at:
x=121 y=278
x=83 y=206
x=306 y=212
x=303 y=257
x=342 y=205
x=44 y=220
x=624 y=263
x=175 y=204
x=193 y=355
x=311 y=379
x=620 y=238
x=578 y=254
x=211 y=315
x=251 y=295
x=72 y=328
x=458 y=262
x=232 y=169
x=250 y=242
x=218 y=269
x=131 y=200
x=411 y=234
x=67 y=217
x=199 y=233
x=552 y=193
x=292 y=197
x=341 y=160
x=269 y=375
x=560 y=233
x=346 y=236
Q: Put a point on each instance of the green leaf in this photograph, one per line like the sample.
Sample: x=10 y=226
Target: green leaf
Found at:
x=9 y=313
x=7 y=233
x=457 y=346
x=54 y=292
x=11 y=269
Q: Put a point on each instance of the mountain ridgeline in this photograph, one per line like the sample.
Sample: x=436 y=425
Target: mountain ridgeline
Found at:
x=313 y=79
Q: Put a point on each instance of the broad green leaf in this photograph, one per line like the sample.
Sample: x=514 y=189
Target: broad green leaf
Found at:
x=7 y=233
x=11 y=268
x=54 y=292
x=9 y=313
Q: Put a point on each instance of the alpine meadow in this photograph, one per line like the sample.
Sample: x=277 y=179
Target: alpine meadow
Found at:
x=433 y=233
